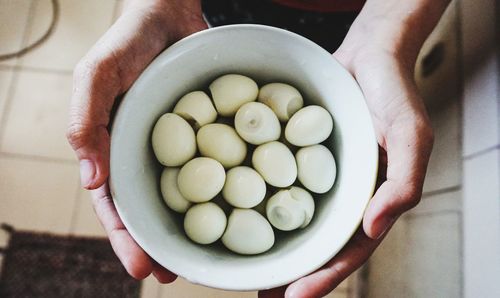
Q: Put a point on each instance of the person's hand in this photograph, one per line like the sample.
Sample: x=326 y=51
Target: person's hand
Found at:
x=405 y=140
x=144 y=29
x=381 y=57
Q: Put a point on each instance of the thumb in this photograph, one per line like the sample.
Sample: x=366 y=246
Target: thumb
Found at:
x=95 y=88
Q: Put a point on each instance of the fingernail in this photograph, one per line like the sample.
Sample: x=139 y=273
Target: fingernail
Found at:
x=292 y=291
x=386 y=223
x=87 y=172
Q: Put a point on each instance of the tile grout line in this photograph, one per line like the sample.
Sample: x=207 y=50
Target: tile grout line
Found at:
x=38 y=158
x=461 y=105
x=427 y=195
x=38 y=69
x=410 y=216
x=461 y=250
x=481 y=152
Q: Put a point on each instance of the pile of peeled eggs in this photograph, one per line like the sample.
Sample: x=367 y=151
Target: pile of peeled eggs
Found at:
x=252 y=154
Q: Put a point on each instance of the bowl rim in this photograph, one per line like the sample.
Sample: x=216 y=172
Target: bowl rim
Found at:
x=271 y=283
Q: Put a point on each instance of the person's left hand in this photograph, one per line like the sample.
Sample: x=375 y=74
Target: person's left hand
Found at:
x=405 y=141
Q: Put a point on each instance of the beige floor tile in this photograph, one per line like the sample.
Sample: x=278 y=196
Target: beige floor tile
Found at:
x=80 y=25
x=433 y=264
x=37 y=119
x=118 y=9
x=37 y=195
x=385 y=269
x=420 y=257
x=479 y=35
x=441 y=85
x=183 y=289
x=14 y=16
x=338 y=293
x=85 y=221
x=440 y=90
x=150 y=288
x=5 y=81
x=345 y=284
x=445 y=165
x=446 y=202
x=482 y=225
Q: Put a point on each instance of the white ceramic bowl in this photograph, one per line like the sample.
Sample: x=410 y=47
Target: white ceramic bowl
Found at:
x=266 y=54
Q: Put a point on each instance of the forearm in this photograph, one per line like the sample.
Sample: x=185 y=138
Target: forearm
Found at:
x=394 y=26
x=180 y=17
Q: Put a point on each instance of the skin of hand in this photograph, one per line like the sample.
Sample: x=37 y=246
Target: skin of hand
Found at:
x=144 y=29
x=380 y=51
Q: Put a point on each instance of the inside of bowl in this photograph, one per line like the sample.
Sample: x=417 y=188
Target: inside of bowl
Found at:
x=266 y=55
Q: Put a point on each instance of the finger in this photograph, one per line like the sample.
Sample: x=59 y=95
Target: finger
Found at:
x=273 y=293
x=108 y=70
x=408 y=147
x=137 y=263
x=323 y=281
x=163 y=275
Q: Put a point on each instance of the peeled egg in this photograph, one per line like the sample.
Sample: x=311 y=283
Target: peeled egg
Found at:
x=196 y=107
x=316 y=168
x=248 y=232
x=256 y=123
x=170 y=191
x=173 y=139
x=283 y=99
x=275 y=163
x=231 y=91
x=201 y=179
x=222 y=143
x=244 y=187
x=205 y=223
x=309 y=126
x=290 y=209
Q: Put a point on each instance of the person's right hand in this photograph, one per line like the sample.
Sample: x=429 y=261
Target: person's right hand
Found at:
x=144 y=29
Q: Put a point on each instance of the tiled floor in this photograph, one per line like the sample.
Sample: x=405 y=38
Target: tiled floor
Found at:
x=38 y=171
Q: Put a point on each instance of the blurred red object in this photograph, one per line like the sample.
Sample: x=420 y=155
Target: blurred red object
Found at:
x=324 y=5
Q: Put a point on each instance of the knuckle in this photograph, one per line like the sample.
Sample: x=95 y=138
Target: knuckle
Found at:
x=410 y=196
x=77 y=133
x=90 y=67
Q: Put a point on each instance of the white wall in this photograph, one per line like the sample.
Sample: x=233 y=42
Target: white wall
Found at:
x=481 y=148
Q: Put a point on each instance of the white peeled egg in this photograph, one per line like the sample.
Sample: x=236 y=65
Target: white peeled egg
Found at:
x=290 y=209
x=244 y=187
x=170 y=191
x=173 y=140
x=201 y=179
x=316 y=168
x=248 y=232
x=196 y=107
x=275 y=163
x=309 y=126
x=205 y=223
x=222 y=143
x=257 y=124
x=231 y=91
x=283 y=99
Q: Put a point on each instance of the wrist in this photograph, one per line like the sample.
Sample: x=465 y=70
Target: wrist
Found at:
x=392 y=28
